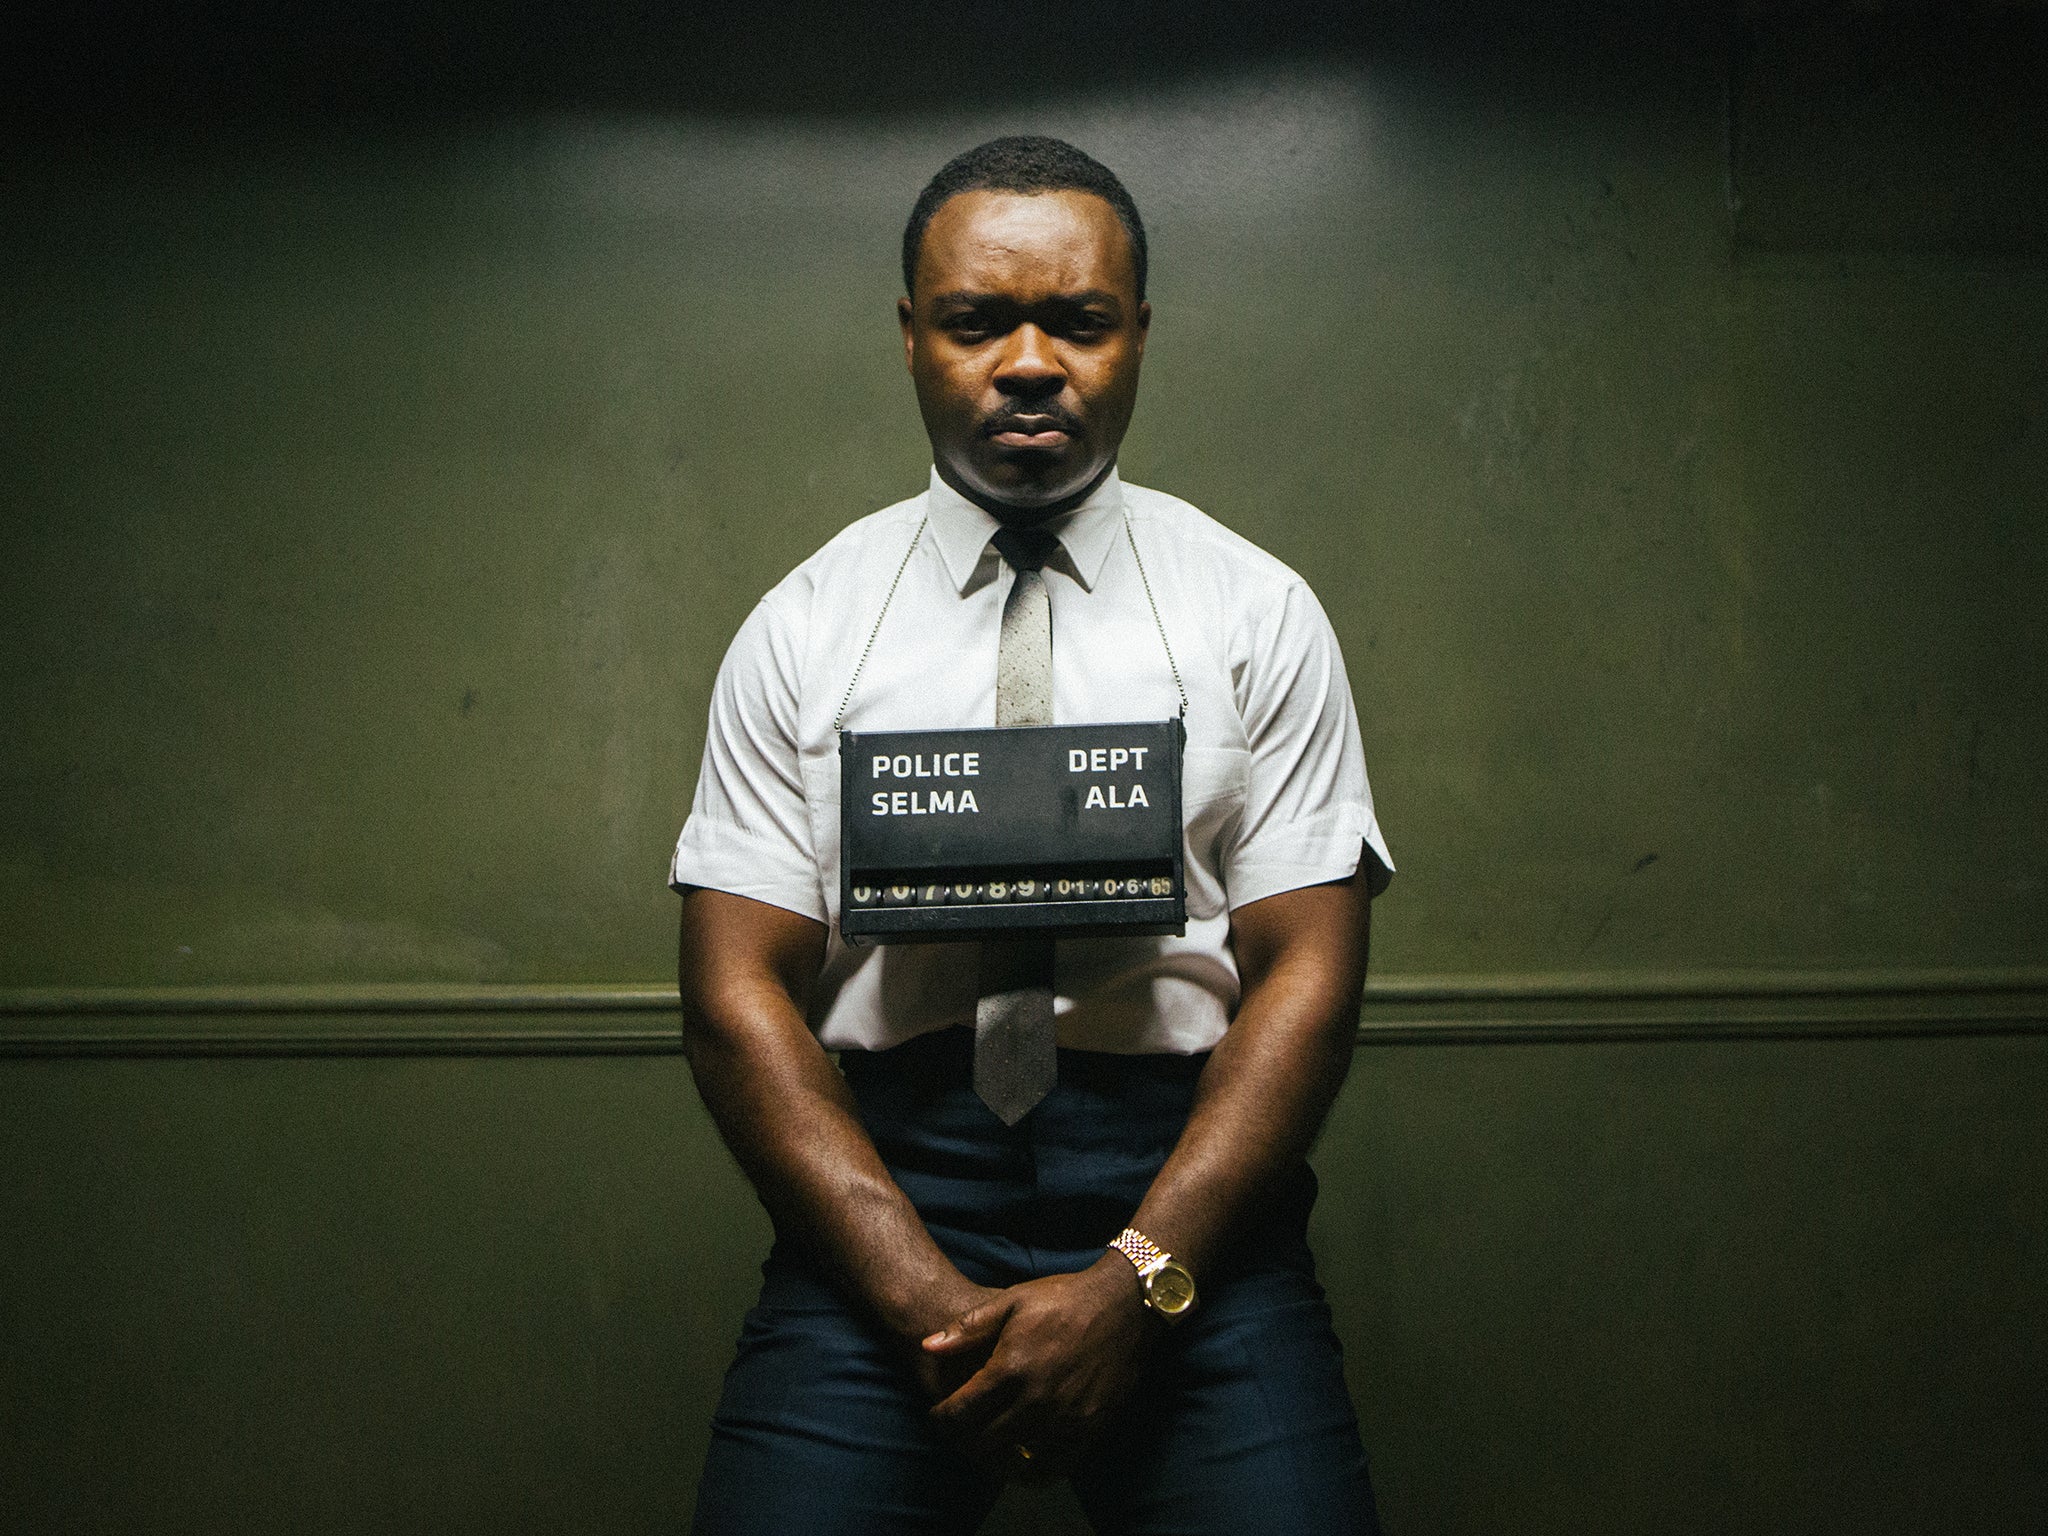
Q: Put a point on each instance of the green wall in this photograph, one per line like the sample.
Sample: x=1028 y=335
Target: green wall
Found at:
x=1683 y=1287
x=379 y=497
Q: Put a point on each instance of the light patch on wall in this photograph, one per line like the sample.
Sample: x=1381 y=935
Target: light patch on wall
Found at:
x=1276 y=142
x=325 y=944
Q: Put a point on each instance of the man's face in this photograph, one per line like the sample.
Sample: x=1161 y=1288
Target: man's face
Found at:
x=1024 y=334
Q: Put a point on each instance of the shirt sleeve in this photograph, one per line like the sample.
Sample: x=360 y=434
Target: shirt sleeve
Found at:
x=1308 y=814
x=748 y=830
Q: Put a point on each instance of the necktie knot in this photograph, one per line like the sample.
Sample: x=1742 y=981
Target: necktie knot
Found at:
x=1026 y=549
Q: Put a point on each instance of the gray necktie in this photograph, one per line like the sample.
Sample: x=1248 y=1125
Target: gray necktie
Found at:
x=1015 y=1058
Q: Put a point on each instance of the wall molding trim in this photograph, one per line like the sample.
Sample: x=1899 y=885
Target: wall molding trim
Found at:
x=1704 y=1006
x=642 y=1019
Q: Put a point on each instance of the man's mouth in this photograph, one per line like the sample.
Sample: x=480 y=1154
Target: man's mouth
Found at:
x=1031 y=430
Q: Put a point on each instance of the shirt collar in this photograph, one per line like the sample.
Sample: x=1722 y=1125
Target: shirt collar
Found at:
x=962 y=531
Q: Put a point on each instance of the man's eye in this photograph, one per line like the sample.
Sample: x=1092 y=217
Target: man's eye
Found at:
x=1087 y=327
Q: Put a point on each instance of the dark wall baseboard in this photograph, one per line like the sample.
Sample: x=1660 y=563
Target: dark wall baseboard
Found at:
x=555 y=1020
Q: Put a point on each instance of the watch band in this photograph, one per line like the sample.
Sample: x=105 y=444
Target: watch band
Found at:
x=1145 y=1255
x=1168 y=1287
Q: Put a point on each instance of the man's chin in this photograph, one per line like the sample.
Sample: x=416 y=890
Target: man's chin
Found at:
x=1031 y=482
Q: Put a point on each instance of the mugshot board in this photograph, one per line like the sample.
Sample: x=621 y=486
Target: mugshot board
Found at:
x=966 y=834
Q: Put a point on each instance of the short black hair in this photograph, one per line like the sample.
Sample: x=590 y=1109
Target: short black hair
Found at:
x=1021 y=163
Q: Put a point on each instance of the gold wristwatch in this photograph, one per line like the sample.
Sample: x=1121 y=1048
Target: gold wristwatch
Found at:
x=1169 y=1288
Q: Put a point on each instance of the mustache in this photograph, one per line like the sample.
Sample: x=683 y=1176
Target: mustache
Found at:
x=1041 y=418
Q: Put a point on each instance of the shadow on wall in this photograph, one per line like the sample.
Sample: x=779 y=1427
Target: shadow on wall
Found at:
x=95 y=63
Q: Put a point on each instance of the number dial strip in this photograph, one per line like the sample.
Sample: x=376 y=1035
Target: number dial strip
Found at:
x=977 y=893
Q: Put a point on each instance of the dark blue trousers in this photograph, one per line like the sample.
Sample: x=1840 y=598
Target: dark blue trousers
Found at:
x=1242 y=1425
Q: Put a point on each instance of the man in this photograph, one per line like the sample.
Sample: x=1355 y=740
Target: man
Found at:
x=942 y=1307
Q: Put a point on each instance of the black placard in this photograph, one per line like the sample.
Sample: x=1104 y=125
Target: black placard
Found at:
x=970 y=833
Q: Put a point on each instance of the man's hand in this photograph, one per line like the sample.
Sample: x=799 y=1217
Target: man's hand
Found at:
x=1061 y=1354
x=942 y=1372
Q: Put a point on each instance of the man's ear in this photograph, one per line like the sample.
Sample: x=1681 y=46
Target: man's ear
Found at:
x=1144 y=323
x=904 y=317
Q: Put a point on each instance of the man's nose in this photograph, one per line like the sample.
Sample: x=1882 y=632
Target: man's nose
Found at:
x=1029 y=366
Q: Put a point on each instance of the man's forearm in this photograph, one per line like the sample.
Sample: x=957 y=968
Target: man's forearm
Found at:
x=1066 y=1347
x=787 y=1115
x=1271 y=1080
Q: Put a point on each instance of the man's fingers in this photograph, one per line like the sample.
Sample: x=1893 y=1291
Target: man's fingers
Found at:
x=977 y=1325
x=987 y=1392
x=942 y=1375
x=1016 y=1424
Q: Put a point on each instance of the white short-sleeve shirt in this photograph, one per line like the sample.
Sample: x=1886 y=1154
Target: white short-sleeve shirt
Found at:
x=1274 y=790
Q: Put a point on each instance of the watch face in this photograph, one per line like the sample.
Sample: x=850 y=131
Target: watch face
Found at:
x=1172 y=1290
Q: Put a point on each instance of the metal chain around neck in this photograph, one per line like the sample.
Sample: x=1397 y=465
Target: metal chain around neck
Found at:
x=888 y=598
x=1158 y=623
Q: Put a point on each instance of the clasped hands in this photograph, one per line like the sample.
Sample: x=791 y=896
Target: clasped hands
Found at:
x=1040 y=1364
